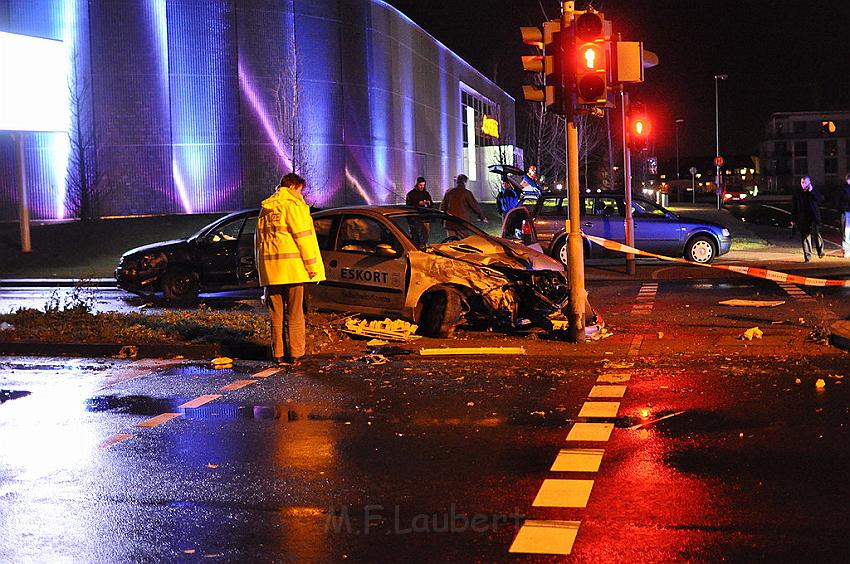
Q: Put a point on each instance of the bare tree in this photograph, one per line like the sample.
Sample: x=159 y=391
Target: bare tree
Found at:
x=85 y=184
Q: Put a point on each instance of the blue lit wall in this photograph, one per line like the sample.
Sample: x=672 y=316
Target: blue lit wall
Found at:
x=193 y=103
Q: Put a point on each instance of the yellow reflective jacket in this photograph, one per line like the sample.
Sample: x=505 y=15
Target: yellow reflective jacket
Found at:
x=285 y=246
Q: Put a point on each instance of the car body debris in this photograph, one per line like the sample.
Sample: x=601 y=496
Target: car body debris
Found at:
x=751 y=333
x=752 y=303
x=396 y=330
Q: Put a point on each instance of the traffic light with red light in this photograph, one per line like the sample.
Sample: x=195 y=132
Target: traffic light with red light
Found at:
x=639 y=128
x=591 y=64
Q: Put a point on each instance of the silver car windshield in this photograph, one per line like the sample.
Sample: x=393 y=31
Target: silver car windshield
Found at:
x=430 y=229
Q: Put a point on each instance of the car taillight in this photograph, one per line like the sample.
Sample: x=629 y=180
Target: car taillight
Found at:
x=526 y=228
x=727 y=195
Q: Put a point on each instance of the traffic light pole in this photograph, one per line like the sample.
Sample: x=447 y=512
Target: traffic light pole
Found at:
x=627 y=183
x=575 y=244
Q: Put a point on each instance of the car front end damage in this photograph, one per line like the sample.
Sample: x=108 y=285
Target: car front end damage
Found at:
x=502 y=291
x=139 y=274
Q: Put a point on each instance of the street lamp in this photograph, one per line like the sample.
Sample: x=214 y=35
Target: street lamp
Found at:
x=717 y=78
x=678 y=121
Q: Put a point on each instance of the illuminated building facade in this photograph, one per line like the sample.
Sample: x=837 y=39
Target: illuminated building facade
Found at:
x=189 y=106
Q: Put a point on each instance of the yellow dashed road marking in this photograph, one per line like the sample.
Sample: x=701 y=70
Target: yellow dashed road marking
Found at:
x=605 y=391
x=590 y=432
x=578 y=460
x=563 y=493
x=199 y=401
x=546 y=537
x=599 y=409
x=158 y=420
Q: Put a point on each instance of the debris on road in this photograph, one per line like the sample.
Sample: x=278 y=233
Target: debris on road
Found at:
x=820 y=384
x=374 y=359
x=6 y=327
x=602 y=333
x=751 y=333
x=128 y=351
x=388 y=329
x=222 y=362
x=472 y=351
x=377 y=342
x=752 y=303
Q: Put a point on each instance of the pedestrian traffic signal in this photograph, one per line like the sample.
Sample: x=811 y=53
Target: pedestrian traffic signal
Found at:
x=549 y=64
x=639 y=128
x=591 y=64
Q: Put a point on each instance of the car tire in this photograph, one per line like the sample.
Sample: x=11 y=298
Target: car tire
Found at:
x=441 y=312
x=701 y=249
x=179 y=286
x=560 y=252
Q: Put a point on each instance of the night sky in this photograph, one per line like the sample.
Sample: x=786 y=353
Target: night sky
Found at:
x=779 y=55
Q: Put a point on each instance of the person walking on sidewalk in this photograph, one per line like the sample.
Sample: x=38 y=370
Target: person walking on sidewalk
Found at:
x=287 y=255
x=805 y=216
x=844 y=208
x=460 y=202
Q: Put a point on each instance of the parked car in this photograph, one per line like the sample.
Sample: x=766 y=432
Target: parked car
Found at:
x=730 y=196
x=418 y=264
x=657 y=230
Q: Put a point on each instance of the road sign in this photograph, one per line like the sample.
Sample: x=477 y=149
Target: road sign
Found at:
x=718 y=161
x=693 y=170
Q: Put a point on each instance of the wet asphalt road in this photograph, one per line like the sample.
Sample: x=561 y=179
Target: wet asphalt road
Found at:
x=711 y=455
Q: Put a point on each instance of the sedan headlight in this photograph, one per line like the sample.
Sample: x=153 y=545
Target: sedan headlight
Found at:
x=725 y=232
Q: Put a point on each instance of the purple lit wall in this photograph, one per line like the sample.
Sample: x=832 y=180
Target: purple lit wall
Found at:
x=201 y=105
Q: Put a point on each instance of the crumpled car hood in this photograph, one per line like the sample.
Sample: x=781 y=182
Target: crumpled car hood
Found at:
x=480 y=251
x=158 y=247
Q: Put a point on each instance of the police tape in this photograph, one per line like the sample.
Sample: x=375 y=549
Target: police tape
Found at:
x=773 y=275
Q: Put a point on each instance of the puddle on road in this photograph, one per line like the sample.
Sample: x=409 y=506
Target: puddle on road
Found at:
x=688 y=423
x=8 y=395
x=133 y=405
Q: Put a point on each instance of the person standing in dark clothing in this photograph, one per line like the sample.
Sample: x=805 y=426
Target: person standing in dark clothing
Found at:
x=805 y=216
x=418 y=198
x=507 y=198
x=460 y=202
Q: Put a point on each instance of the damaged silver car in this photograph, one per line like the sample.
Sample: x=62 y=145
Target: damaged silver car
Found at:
x=436 y=270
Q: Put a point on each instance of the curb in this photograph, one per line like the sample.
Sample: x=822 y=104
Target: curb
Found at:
x=94 y=350
x=839 y=335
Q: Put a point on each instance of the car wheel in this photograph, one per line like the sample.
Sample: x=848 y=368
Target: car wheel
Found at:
x=441 y=311
x=561 y=252
x=700 y=249
x=179 y=285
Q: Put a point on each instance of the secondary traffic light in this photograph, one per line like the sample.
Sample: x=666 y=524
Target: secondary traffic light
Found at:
x=549 y=63
x=591 y=64
x=639 y=128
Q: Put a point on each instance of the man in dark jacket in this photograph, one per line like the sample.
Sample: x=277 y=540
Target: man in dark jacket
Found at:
x=805 y=216
x=461 y=203
x=844 y=208
x=418 y=197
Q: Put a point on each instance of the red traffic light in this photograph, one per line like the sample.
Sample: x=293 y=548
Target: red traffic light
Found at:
x=639 y=128
x=591 y=64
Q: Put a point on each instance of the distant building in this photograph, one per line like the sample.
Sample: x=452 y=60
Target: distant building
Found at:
x=797 y=144
x=191 y=106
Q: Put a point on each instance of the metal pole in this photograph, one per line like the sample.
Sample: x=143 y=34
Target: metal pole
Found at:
x=678 y=121
x=627 y=182
x=23 y=204
x=717 y=78
x=575 y=248
x=693 y=188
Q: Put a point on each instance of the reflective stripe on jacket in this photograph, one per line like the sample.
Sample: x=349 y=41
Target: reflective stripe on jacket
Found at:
x=286 y=248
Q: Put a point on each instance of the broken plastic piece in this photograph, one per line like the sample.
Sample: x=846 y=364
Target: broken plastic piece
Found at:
x=472 y=350
x=752 y=303
x=751 y=333
x=820 y=384
x=222 y=362
x=388 y=329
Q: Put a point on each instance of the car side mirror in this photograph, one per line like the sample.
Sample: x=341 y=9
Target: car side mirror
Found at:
x=386 y=250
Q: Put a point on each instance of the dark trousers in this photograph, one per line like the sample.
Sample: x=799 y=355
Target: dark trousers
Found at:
x=286 y=309
x=810 y=235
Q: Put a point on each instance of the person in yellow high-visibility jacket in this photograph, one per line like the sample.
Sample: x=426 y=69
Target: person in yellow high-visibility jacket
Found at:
x=287 y=255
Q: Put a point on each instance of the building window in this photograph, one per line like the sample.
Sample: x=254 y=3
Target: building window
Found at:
x=780 y=148
x=780 y=127
x=801 y=166
x=801 y=148
x=799 y=126
x=481 y=108
x=830 y=148
x=830 y=166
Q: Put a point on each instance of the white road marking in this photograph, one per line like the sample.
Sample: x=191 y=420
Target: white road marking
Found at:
x=563 y=493
x=614 y=377
x=266 y=373
x=599 y=409
x=158 y=420
x=115 y=439
x=578 y=460
x=590 y=432
x=236 y=385
x=605 y=391
x=199 y=401
x=545 y=537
